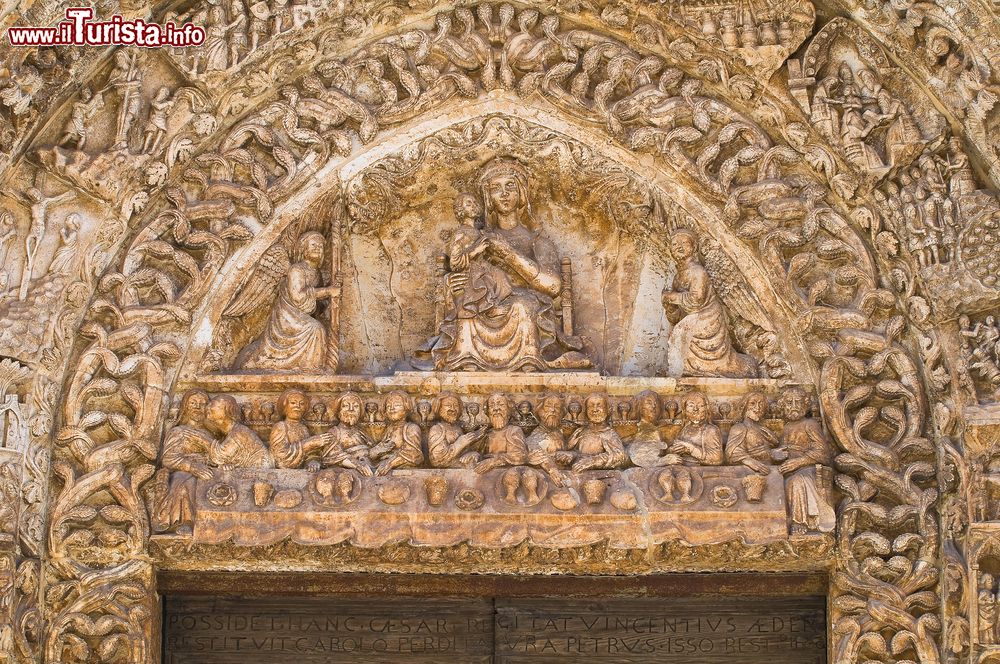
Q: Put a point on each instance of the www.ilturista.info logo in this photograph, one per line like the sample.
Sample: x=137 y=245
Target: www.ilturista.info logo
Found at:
x=79 y=30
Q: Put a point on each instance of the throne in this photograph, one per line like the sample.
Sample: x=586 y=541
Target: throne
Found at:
x=563 y=303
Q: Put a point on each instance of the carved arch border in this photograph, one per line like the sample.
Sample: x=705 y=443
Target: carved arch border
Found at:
x=883 y=589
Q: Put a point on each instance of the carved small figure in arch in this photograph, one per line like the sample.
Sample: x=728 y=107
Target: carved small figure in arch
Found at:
x=699 y=442
x=854 y=136
x=823 y=114
x=597 y=444
x=290 y=441
x=938 y=205
x=280 y=13
x=986 y=606
x=448 y=446
x=980 y=345
x=238 y=32
x=260 y=14
x=750 y=443
x=903 y=141
x=505 y=444
x=400 y=446
x=239 y=446
x=156 y=124
x=38 y=204
x=64 y=261
x=126 y=80
x=77 y=127
x=810 y=455
x=8 y=235
x=928 y=215
x=348 y=446
x=215 y=45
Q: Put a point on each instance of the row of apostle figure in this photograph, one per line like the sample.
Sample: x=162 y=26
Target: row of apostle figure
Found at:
x=210 y=434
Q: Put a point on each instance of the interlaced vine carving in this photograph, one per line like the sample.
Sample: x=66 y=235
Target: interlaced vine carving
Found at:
x=872 y=397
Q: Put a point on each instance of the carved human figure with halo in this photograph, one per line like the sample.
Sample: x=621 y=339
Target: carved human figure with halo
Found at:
x=503 y=280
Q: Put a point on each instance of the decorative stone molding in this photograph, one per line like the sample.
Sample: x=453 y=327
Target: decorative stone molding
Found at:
x=835 y=263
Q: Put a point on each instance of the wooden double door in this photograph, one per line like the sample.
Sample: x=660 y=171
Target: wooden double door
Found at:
x=204 y=629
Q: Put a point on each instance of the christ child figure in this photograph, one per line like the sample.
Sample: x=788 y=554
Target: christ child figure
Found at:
x=471 y=281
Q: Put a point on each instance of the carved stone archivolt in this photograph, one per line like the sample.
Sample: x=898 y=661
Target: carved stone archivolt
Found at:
x=582 y=286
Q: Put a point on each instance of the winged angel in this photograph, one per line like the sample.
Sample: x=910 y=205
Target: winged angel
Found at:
x=293 y=339
x=700 y=343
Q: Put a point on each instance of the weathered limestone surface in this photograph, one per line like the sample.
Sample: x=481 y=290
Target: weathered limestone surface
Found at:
x=513 y=288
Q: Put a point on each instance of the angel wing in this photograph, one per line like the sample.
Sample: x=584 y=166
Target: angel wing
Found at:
x=731 y=285
x=262 y=287
x=194 y=97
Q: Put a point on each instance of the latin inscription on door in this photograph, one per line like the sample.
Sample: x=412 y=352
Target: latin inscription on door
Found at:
x=688 y=631
x=521 y=631
x=313 y=630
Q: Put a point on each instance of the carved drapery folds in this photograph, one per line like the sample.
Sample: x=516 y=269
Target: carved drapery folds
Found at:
x=535 y=452
x=816 y=215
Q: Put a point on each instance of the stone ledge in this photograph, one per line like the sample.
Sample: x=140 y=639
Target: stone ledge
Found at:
x=430 y=382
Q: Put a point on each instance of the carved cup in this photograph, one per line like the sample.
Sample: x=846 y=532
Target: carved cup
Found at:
x=436 y=487
x=262 y=493
x=753 y=487
x=593 y=491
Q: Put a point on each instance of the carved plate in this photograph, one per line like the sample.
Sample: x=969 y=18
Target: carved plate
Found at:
x=724 y=496
x=288 y=499
x=222 y=494
x=624 y=500
x=676 y=485
x=335 y=487
x=565 y=499
x=394 y=493
x=469 y=499
x=522 y=487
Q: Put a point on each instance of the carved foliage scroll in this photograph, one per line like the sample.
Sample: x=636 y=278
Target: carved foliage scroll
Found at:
x=112 y=408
